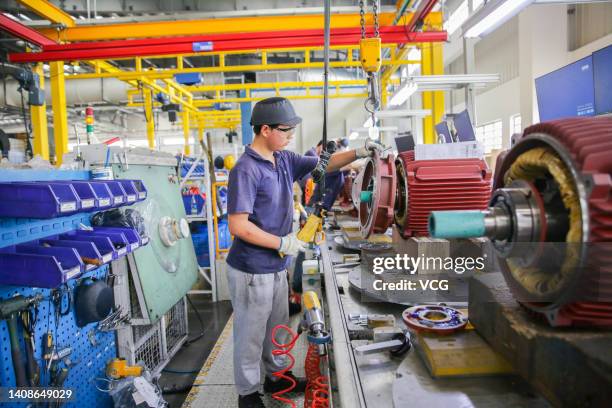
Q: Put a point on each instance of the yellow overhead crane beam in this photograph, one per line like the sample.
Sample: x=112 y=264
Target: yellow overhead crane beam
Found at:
x=142 y=29
x=264 y=64
x=49 y=11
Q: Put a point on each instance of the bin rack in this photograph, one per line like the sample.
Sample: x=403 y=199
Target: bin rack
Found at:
x=118 y=194
x=45 y=199
x=85 y=249
x=131 y=235
x=130 y=191
x=38 y=266
x=98 y=192
x=103 y=244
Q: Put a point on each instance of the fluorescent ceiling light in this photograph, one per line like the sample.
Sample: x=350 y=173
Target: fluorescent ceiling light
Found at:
x=174 y=141
x=403 y=94
x=353 y=135
x=381 y=129
x=457 y=18
x=492 y=15
x=24 y=17
x=404 y=113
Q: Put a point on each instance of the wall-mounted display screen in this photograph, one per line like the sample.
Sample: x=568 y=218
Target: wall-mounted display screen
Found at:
x=567 y=92
x=602 y=80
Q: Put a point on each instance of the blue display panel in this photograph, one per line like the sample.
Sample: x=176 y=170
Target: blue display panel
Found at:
x=443 y=132
x=464 y=128
x=602 y=78
x=567 y=92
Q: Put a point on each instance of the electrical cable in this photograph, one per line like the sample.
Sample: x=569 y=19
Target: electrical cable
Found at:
x=168 y=370
x=28 y=149
x=199 y=336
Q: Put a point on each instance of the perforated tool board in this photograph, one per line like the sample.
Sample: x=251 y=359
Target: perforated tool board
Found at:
x=88 y=361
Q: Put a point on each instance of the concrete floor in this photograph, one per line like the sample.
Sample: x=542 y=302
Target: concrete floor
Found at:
x=191 y=358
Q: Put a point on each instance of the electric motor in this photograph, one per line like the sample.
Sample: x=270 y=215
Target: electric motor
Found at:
x=550 y=221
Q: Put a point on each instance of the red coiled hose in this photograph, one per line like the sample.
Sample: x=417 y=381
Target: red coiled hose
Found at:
x=284 y=349
x=317 y=389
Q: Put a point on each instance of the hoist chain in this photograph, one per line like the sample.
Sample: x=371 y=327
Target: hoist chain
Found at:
x=362 y=20
x=376 y=33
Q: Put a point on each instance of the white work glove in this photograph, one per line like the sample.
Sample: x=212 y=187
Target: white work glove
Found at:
x=368 y=149
x=291 y=245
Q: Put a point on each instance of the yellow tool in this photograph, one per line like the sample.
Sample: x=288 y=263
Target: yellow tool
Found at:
x=118 y=368
x=370 y=52
x=312 y=231
x=313 y=322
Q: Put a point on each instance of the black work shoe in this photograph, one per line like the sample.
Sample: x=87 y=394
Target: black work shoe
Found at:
x=250 y=401
x=271 y=386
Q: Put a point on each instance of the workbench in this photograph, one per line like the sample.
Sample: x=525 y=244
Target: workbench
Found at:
x=378 y=380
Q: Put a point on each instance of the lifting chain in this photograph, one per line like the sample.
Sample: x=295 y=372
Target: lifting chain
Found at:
x=362 y=18
x=376 y=33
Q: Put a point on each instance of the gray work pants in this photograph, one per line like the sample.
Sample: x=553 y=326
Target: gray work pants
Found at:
x=260 y=303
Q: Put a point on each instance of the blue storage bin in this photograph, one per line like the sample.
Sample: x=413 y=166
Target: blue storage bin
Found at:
x=141 y=189
x=200 y=245
x=38 y=200
x=199 y=170
x=225 y=238
x=131 y=194
x=188 y=204
x=34 y=265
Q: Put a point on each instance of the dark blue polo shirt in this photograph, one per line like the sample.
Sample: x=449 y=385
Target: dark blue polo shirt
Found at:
x=265 y=192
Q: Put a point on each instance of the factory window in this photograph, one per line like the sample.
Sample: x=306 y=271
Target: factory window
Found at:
x=490 y=135
x=476 y=4
x=457 y=18
x=515 y=125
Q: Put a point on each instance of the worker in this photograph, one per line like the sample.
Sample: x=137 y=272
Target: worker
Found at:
x=260 y=208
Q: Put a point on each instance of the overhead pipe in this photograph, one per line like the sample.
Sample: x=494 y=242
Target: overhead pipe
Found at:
x=85 y=91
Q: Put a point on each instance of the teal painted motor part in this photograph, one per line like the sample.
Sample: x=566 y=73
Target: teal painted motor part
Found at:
x=457 y=224
x=365 y=196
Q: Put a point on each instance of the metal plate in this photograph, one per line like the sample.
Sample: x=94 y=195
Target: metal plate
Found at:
x=162 y=289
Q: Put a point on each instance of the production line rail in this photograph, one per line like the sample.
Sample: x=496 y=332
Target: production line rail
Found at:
x=379 y=380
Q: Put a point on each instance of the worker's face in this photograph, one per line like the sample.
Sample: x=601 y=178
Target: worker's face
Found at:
x=278 y=136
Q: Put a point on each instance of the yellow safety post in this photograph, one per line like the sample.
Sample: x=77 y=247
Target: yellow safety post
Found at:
x=432 y=64
x=429 y=136
x=38 y=114
x=438 y=96
x=200 y=131
x=148 y=106
x=186 y=131
x=60 y=117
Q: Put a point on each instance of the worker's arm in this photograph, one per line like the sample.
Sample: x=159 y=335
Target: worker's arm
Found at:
x=341 y=159
x=241 y=227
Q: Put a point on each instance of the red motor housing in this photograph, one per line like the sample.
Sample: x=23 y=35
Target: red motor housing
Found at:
x=424 y=186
